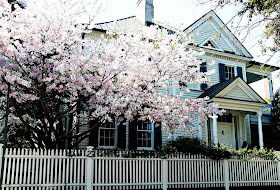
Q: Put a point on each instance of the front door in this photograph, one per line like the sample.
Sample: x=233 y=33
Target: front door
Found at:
x=225 y=134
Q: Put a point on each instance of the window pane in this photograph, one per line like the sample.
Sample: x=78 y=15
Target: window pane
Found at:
x=107 y=134
x=144 y=139
x=111 y=141
x=107 y=142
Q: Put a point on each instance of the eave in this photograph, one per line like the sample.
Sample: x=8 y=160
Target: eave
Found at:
x=232 y=104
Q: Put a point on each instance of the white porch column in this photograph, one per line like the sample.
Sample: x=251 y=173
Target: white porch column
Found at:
x=260 y=129
x=215 y=129
x=270 y=87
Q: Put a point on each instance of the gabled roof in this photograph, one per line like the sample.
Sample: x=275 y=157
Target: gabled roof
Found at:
x=222 y=29
x=235 y=88
x=215 y=89
x=118 y=25
x=126 y=23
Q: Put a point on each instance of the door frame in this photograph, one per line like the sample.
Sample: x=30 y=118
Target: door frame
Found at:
x=232 y=131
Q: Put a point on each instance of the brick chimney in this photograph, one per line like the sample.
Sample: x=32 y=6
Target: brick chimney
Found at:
x=145 y=11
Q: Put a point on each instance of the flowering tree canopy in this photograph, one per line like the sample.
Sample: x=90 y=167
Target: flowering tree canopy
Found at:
x=54 y=72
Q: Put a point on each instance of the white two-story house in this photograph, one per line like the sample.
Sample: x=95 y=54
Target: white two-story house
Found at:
x=244 y=120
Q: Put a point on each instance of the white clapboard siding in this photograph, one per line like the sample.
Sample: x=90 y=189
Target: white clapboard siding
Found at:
x=203 y=129
x=181 y=132
x=238 y=94
x=215 y=77
x=184 y=94
x=206 y=31
x=102 y=170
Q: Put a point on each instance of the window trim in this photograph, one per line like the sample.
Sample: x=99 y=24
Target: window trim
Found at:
x=234 y=70
x=115 y=138
x=152 y=138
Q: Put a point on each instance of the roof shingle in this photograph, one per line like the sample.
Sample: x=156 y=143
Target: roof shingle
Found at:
x=215 y=89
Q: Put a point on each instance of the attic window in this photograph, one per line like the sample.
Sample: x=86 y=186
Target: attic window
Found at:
x=211 y=44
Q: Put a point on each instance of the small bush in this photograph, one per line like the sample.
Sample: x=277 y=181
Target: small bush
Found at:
x=212 y=151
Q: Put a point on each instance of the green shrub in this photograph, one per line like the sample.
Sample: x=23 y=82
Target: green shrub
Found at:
x=212 y=151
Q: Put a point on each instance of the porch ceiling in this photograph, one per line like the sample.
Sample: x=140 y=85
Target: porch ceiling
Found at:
x=252 y=77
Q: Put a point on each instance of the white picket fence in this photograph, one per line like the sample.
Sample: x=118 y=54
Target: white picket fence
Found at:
x=54 y=169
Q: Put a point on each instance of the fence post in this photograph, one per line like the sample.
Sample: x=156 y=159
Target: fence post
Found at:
x=1 y=164
x=278 y=172
x=89 y=168
x=1 y=150
x=164 y=174
x=226 y=174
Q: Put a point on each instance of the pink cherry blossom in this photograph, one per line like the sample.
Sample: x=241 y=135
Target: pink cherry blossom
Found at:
x=55 y=73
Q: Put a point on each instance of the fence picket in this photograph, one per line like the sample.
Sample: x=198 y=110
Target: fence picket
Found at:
x=55 y=169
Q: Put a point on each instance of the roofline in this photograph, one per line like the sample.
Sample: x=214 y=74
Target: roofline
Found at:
x=197 y=20
x=236 y=78
x=99 y=30
x=115 y=20
x=216 y=91
x=148 y=23
x=260 y=64
x=221 y=52
x=224 y=25
x=240 y=100
x=234 y=35
x=252 y=89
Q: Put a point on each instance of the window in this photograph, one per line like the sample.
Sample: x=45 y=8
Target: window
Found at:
x=229 y=71
x=209 y=44
x=144 y=135
x=107 y=135
x=225 y=118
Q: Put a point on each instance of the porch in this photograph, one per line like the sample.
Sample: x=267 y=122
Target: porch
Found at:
x=238 y=99
x=232 y=129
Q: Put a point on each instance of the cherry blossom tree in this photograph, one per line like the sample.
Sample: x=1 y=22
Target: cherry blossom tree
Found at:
x=55 y=74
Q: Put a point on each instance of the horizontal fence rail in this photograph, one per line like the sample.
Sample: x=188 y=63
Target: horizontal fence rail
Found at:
x=26 y=169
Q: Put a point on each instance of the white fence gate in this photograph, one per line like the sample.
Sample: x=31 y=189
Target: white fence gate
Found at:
x=54 y=169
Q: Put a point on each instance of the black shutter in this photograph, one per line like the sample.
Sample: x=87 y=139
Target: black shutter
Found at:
x=122 y=135
x=132 y=135
x=157 y=135
x=239 y=72
x=203 y=69
x=222 y=72
x=93 y=137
